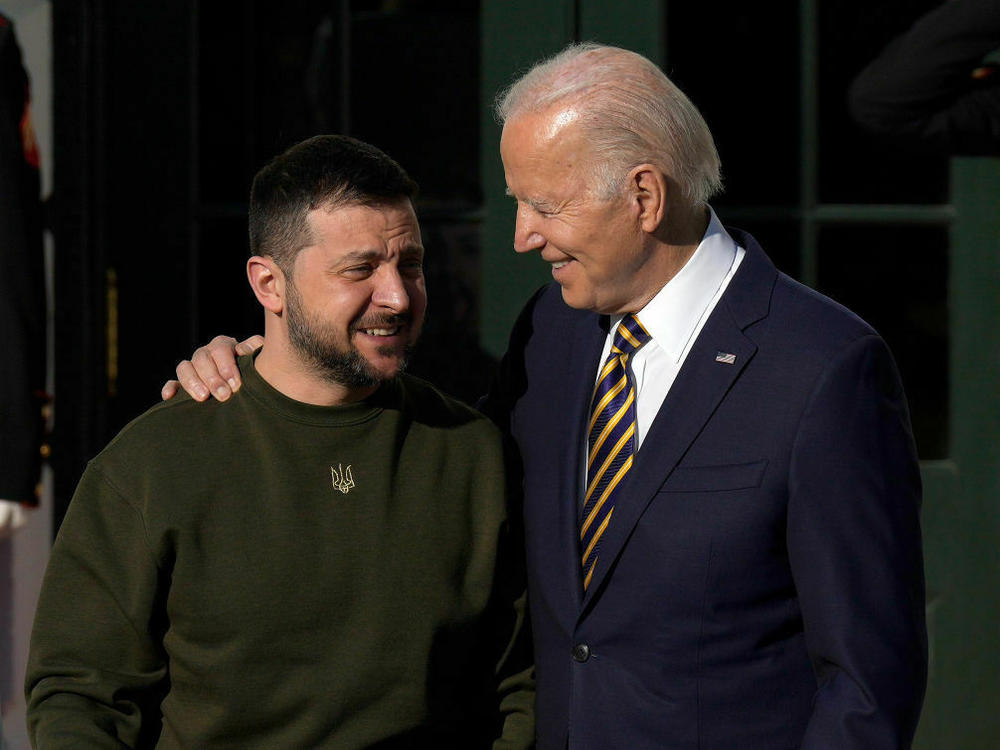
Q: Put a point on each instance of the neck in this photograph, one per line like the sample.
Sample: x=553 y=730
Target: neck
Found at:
x=284 y=370
x=687 y=224
x=682 y=232
x=674 y=244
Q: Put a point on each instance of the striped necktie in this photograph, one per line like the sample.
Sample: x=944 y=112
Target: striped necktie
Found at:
x=611 y=442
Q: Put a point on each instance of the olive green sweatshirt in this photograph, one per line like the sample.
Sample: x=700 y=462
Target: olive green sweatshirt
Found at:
x=263 y=573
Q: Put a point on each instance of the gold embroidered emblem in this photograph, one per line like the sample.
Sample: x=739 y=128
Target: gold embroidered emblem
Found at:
x=342 y=478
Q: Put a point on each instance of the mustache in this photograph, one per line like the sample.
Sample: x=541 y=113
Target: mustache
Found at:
x=388 y=320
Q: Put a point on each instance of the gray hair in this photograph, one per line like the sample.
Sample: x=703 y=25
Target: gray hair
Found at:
x=634 y=114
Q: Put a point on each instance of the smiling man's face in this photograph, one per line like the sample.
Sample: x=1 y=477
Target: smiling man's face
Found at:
x=595 y=246
x=355 y=300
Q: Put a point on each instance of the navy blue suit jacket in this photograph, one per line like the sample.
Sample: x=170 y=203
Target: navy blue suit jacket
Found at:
x=761 y=582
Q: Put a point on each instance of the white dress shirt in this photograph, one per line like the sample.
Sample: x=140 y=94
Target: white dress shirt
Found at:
x=674 y=318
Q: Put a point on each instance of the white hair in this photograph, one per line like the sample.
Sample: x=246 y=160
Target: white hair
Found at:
x=632 y=114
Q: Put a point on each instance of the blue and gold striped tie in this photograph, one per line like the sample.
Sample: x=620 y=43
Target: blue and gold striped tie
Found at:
x=611 y=444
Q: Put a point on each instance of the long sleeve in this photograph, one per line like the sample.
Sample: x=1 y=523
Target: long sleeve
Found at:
x=921 y=90
x=516 y=669
x=855 y=551
x=96 y=669
x=516 y=685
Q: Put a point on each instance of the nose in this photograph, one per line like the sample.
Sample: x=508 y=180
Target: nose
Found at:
x=390 y=291
x=526 y=238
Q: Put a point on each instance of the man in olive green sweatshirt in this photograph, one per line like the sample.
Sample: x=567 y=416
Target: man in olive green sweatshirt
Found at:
x=326 y=560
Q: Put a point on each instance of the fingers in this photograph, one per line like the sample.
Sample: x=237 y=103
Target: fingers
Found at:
x=190 y=381
x=216 y=365
x=169 y=389
x=212 y=369
x=251 y=344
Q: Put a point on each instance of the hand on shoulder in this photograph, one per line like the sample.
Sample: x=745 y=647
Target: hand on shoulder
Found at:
x=212 y=369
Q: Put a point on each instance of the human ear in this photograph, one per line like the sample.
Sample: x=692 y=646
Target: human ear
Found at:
x=648 y=187
x=267 y=282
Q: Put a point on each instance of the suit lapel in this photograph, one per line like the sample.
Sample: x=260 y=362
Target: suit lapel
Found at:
x=700 y=386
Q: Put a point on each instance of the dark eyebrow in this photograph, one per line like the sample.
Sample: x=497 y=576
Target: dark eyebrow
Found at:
x=363 y=256
x=358 y=255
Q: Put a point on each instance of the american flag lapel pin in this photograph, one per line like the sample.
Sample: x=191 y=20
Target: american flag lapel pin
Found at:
x=725 y=358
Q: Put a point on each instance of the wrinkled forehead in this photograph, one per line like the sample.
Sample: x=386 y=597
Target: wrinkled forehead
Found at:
x=358 y=224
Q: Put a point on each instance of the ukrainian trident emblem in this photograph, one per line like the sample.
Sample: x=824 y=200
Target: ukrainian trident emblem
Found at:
x=342 y=478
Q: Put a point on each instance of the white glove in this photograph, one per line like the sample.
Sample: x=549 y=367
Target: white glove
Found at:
x=12 y=517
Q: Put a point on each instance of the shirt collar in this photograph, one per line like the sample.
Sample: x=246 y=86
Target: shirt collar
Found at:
x=672 y=316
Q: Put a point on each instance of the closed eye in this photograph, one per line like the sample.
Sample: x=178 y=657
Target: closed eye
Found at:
x=358 y=272
x=542 y=209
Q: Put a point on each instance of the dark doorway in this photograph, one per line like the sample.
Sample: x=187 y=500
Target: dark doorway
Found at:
x=165 y=111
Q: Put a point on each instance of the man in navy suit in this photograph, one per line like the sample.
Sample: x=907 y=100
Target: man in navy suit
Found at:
x=721 y=487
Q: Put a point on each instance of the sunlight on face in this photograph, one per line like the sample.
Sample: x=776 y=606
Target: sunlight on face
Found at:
x=355 y=301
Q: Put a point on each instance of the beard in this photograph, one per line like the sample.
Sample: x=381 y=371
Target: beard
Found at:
x=317 y=344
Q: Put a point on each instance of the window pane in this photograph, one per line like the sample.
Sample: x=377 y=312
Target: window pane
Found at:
x=896 y=278
x=415 y=93
x=855 y=167
x=742 y=73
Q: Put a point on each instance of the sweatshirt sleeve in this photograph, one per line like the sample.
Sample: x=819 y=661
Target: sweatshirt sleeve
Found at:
x=96 y=668
x=517 y=688
x=516 y=669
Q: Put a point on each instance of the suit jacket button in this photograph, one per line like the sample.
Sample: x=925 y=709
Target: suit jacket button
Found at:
x=581 y=652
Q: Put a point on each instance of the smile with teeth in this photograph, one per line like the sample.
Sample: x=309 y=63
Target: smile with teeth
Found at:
x=382 y=331
x=560 y=263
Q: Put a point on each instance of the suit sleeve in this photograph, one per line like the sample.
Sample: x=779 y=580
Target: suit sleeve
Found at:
x=920 y=90
x=855 y=549
x=96 y=668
